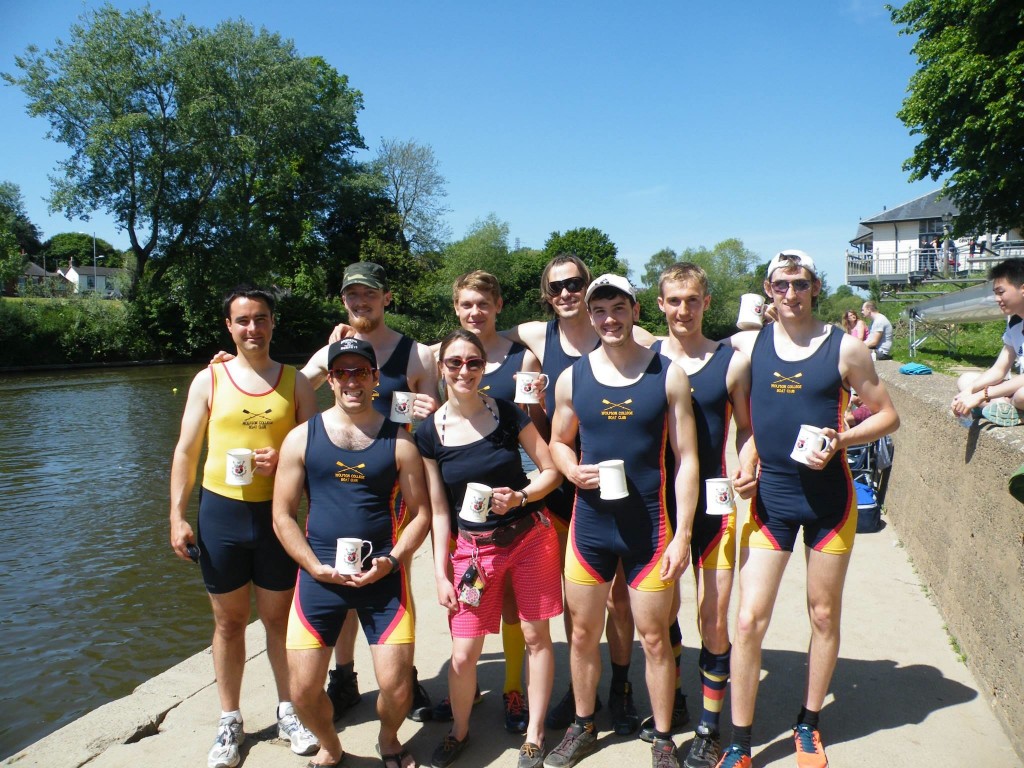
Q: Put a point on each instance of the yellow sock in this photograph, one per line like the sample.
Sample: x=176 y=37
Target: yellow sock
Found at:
x=514 y=644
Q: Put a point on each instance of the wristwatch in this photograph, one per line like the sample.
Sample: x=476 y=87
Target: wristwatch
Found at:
x=395 y=565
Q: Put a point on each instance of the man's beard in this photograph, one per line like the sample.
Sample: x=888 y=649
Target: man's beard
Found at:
x=365 y=324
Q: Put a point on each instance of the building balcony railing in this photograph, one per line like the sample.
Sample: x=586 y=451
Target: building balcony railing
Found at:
x=920 y=263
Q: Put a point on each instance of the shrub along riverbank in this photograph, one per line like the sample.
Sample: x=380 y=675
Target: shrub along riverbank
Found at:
x=91 y=330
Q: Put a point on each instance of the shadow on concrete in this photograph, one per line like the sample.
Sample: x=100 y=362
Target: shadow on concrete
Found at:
x=870 y=696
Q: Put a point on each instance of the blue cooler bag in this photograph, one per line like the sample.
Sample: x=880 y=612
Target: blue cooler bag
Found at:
x=869 y=514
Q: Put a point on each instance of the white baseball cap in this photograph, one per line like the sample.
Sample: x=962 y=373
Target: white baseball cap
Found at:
x=618 y=282
x=791 y=258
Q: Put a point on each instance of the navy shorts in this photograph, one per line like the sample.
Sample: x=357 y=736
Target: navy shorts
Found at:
x=239 y=546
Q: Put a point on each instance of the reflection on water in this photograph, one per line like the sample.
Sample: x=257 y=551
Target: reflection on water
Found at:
x=92 y=600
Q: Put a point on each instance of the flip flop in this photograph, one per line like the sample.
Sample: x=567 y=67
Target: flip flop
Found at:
x=394 y=760
x=341 y=759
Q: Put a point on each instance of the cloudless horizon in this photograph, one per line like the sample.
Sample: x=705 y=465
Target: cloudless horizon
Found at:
x=665 y=124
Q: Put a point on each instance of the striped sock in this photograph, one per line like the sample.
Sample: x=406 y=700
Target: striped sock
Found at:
x=714 y=674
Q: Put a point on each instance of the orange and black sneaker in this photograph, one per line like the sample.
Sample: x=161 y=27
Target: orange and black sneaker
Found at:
x=734 y=757
x=809 y=751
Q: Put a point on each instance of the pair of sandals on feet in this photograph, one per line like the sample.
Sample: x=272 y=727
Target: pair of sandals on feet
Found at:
x=389 y=760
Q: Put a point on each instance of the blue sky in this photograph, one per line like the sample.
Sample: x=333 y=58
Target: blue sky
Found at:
x=664 y=124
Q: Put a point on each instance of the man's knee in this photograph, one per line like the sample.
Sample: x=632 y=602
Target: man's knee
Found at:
x=966 y=381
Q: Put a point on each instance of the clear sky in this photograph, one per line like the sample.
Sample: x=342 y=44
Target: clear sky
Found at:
x=664 y=124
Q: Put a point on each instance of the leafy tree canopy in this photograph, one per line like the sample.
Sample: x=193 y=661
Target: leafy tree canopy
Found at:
x=416 y=189
x=14 y=218
x=590 y=244
x=60 y=249
x=215 y=150
x=965 y=104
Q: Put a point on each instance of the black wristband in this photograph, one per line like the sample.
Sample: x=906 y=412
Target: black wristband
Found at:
x=395 y=565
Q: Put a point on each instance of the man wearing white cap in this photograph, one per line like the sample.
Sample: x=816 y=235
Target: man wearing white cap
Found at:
x=624 y=401
x=801 y=373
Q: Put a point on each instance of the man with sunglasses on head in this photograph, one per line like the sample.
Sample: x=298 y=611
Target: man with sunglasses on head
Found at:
x=624 y=402
x=558 y=343
x=352 y=461
x=802 y=371
x=250 y=402
x=408 y=367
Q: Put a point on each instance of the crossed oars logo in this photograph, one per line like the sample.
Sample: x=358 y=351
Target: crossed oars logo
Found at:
x=612 y=406
x=347 y=470
x=790 y=379
x=261 y=418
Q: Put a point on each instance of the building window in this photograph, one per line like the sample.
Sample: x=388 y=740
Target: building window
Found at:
x=90 y=282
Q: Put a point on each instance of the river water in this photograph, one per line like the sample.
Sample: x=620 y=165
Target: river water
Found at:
x=92 y=599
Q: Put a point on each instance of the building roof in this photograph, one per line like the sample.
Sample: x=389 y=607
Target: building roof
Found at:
x=34 y=270
x=930 y=206
x=86 y=270
x=863 y=235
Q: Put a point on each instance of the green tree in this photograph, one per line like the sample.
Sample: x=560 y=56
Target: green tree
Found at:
x=215 y=150
x=416 y=189
x=14 y=218
x=657 y=264
x=60 y=249
x=12 y=259
x=965 y=102
x=590 y=244
x=732 y=270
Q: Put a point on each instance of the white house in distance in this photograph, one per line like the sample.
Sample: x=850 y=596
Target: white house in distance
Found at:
x=102 y=280
x=911 y=243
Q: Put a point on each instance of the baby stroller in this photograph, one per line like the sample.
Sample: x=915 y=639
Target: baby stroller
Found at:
x=870 y=466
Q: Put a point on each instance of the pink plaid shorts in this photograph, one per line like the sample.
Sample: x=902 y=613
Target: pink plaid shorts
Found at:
x=532 y=566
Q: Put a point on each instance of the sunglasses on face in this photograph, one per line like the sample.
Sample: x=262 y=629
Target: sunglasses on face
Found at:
x=343 y=374
x=570 y=284
x=781 y=287
x=471 y=363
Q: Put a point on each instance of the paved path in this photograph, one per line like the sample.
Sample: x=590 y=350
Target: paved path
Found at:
x=900 y=696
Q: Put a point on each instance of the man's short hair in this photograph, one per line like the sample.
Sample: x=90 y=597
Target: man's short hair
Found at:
x=246 y=292
x=545 y=282
x=479 y=281
x=684 y=272
x=1011 y=270
x=869 y=306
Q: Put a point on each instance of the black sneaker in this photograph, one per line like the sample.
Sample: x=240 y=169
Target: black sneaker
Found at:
x=517 y=715
x=663 y=754
x=563 y=714
x=706 y=749
x=578 y=742
x=625 y=719
x=448 y=751
x=443 y=709
x=680 y=717
x=421 y=710
x=343 y=691
x=530 y=756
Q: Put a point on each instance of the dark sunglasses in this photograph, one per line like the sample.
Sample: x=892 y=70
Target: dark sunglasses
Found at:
x=472 y=363
x=570 y=284
x=359 y=374
x=781 y=287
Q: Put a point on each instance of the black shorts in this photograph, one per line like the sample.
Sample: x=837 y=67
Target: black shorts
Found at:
x=238 y=545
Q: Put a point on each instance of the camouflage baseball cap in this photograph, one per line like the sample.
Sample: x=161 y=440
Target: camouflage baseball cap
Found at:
x=365 y=273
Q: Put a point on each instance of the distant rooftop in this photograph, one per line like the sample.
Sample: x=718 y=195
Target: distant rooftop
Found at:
x=930 y=206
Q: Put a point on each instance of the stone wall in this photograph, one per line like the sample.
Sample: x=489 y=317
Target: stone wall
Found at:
x=949 y=504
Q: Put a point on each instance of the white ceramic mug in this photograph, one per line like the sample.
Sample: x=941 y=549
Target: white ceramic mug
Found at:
x=612 y=477
x=751 y=312
x=476 y=503
x=350 y=558
x=239 y=467
x=719 y=495
x=808 y=439
x=525 y=381
x=401 y=407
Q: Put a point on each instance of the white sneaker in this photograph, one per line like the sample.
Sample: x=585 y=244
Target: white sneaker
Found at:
x=224 y=752
x=302 y=739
